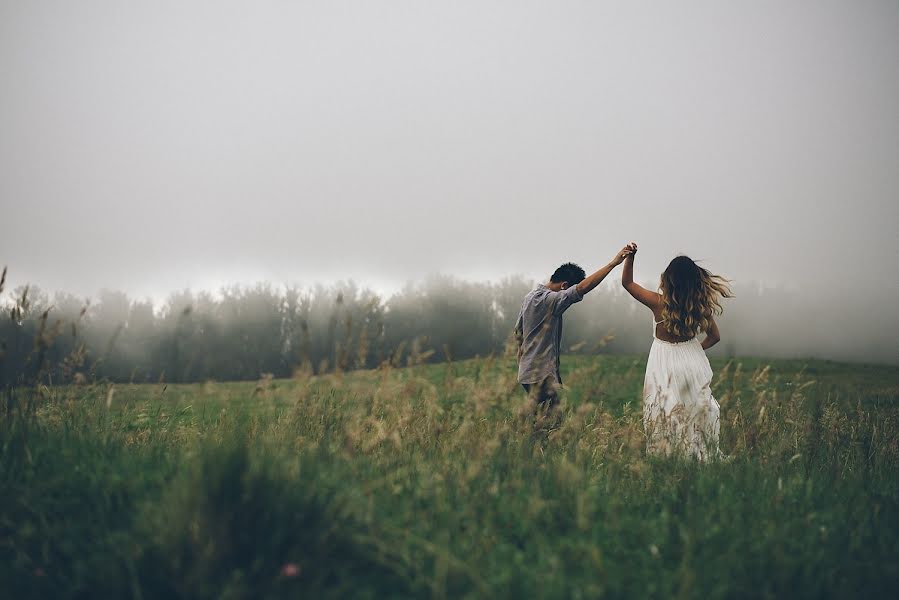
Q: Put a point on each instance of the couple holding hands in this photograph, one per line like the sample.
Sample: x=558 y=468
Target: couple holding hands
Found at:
x=680 y=415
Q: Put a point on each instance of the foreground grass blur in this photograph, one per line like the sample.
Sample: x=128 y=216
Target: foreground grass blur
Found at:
x=429 y=482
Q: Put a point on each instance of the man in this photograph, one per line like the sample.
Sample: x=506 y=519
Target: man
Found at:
x=538 y=330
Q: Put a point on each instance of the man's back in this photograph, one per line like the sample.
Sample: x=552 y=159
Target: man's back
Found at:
x=539 y=332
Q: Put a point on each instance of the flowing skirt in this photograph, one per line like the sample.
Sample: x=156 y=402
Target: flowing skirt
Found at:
x=680 y=415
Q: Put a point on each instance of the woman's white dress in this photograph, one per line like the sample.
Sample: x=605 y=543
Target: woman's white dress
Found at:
x=679 y=412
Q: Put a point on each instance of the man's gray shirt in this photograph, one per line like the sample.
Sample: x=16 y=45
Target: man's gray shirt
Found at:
x=539 y=332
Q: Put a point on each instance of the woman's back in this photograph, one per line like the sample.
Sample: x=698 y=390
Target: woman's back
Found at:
x=660 y=332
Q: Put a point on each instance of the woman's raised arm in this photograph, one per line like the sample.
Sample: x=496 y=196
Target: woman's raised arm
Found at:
x=640 y=293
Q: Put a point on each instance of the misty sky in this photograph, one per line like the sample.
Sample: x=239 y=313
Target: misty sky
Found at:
x=150 y=146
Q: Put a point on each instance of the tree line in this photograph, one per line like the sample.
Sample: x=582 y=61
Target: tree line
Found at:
x=244 y=332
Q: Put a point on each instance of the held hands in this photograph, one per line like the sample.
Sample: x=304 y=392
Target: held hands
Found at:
x=628 y=250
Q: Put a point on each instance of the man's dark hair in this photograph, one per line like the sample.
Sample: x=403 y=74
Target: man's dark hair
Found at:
x=569 y=272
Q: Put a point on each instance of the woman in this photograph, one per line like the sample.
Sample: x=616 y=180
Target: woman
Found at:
x=679 y=412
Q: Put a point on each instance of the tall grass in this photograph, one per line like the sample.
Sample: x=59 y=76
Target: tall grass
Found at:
x=430 y=481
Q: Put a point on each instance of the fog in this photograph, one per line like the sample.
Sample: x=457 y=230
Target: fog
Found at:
x=152 y=147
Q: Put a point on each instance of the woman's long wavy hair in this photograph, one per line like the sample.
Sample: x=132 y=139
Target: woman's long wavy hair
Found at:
x=691 y=297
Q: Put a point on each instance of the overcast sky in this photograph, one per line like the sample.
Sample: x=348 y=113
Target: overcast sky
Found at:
x=147 y=146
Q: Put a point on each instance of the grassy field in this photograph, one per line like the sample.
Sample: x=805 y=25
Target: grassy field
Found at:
x=429 y=482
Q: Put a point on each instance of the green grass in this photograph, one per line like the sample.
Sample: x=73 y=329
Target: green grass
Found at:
x=429 y=482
